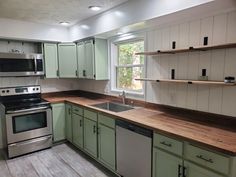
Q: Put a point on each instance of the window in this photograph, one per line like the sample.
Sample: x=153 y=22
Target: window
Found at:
x=129 y=66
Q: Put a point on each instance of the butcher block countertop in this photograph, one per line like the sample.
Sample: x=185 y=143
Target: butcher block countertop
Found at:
x=212 y=137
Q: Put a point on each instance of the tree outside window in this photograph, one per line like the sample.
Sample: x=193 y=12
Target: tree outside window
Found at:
x=130 y=66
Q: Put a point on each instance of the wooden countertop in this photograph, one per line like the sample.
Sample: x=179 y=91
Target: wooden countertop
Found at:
x=211 y=137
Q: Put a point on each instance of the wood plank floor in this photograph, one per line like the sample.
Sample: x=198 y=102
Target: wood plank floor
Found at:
x=59 y=161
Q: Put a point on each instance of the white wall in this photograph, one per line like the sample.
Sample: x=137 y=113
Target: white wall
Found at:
x=131 y=12
x=220 y=29
x=14 y=29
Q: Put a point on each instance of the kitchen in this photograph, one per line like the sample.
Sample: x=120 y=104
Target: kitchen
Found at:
x=128 y=88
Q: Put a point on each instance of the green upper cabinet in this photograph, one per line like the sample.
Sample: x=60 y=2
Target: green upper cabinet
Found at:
x=58 y=113
x=166 y=165
x=93 y=59
x=51 y=60
x=78 y=134
x=90 y=137
x=67 y=60
x=89 y=60
x=101 y=59
x=81 y=60
x=106 y=141
x=68 y=123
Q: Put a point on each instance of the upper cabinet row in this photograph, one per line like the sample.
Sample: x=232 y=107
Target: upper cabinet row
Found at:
x=87 y=59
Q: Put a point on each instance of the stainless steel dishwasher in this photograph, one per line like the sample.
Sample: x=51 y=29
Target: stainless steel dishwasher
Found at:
x=133 y=147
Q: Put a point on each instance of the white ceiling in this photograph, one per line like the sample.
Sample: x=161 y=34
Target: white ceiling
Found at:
x=53 y=11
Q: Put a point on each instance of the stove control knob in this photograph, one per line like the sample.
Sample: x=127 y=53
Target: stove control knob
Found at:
x=8 y=91
x=3 y=91
x=33 y=89
x=37 y=88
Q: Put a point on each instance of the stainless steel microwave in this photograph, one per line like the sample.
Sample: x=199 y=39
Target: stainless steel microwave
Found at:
x=18 y=64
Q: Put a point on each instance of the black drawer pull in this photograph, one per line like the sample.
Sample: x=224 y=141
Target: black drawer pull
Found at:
x=205 y=159
x=166 y=144
x=94 y=129
x=179 y=171
x=80 y=123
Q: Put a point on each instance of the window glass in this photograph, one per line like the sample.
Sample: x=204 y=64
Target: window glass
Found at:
x=130 y=66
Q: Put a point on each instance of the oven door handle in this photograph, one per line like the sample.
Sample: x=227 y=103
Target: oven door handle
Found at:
x=27 y=110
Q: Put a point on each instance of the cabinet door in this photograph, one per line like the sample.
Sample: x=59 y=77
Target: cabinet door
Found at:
x=58 y=111
x=51 y=60
x=67 y=60
x=90 y=137
x=81 y=60
x=106 y=138
x=165 y=164
x=101 y=59
x=68 y=123
x=89 y=59
x=193 y=170
x=77 y=130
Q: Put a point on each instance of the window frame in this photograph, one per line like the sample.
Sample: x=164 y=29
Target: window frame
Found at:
x=114 y=54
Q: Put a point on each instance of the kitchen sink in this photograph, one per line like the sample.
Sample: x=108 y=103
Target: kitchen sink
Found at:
x=111 y=106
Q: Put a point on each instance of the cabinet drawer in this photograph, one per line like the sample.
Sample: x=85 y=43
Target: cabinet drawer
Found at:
x=77 y=110
x=105 y=120
x=90 y=115
x=208 y=159
x=168 y=144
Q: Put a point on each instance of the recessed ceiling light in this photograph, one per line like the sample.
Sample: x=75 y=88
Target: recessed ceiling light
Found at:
x=95 y=8
x=64 y=23
x=119 y=33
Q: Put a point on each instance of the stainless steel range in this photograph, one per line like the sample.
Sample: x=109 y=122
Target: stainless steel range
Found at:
x=26 y=120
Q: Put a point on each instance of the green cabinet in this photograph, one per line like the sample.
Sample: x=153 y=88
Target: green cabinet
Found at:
x=172 y=158
x=81 y=60
x=166 y=164
x=50 y=60
x=90 y=137
x=67 y=59
x=78 y=134
x=93 y=59
x=106 y=146
x=193 y=170
x=58 y=111
x=68 y=123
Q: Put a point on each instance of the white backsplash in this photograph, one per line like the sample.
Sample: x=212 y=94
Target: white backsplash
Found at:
x=47 y=85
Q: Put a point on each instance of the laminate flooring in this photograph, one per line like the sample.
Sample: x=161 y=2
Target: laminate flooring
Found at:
x=59 y=161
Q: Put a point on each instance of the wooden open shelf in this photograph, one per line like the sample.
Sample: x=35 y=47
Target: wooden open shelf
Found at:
x=188 y=81
x=190 y=49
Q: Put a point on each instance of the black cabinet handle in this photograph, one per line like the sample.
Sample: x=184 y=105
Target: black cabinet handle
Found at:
x=80 y=123
x=179 y=170
x=84 y=73
x=69 y=111
x=205 y=159
x=94 y=129
x=184 y=171
x=166 y=144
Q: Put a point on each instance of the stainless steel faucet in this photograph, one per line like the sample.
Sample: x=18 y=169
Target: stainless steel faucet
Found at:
x=123 y=96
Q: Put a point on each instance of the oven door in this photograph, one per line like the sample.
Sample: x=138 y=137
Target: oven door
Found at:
x=28 y=124
x=21 y=64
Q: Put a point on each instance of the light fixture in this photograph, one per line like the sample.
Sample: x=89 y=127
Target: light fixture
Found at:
x=64 y=23
x=119 y=33
x=95 y=8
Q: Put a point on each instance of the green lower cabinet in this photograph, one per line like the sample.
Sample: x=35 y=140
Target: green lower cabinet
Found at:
x=193 y=170
x=106 y=146
x=68 y=123
x=90 y=137
x=78 y=135
x=58 y=111
x=166 y=165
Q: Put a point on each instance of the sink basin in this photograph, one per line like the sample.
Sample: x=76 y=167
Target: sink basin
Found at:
x=115 y=107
